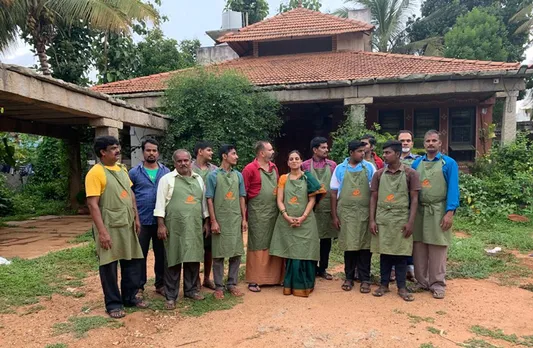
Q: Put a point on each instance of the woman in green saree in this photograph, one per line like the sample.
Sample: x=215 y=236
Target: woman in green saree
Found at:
x=295 y=235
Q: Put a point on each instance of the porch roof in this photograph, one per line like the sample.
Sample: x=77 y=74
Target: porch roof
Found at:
x=334 y=68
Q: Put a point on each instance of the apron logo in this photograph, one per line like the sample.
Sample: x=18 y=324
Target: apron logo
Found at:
x=390 y=198
x=426 y=183
x=190 y=200
x=230 y=196
x=294 y=200
x=275 y=192
x=123 y=194
x=356 y=192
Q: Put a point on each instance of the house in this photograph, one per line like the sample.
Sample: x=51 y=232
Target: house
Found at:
x=321 y=67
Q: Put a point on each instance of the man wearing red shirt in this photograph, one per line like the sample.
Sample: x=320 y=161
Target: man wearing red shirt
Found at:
x=370 y=155
x=260 y=180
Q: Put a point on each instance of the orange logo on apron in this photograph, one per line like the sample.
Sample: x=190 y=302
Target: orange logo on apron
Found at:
x=426 y=183
x=390 y=198
x=123 y=194
x=356 y=192
x=190 y=200
x=230 y=196
x=275 y=192
x=293 y=200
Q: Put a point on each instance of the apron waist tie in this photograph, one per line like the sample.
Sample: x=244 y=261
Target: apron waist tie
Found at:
x=429 y=206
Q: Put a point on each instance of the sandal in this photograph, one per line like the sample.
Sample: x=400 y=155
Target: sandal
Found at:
x=254 y=287
x=325 y=275
x=219 y=294
x=140 y=295
x=438 y=294
x=160 y=291
x=410 y=276
x=403 y=293
x=142 y=304
x=116 y=313
x=417 y=288
x=347 y=286
x=170 y=305
x=208 y=283
x=365 y=288
x=381 y=291
x=196 y=297
x=235 y=291
x=393 y=275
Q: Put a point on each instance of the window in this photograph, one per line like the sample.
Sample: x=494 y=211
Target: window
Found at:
x=295 y=46
x=391 y=121
x=424 y=120
x=462 y=133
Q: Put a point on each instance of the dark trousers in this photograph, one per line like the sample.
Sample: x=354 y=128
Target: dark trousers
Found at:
x=173 y=276
x=325 y=248
x=129 y=283
x=149 y=232
x=400 y=264
x=359 y=261
x=233 y=272
x=410 y=261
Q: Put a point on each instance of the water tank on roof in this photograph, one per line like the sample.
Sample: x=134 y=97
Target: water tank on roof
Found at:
x=231 y=20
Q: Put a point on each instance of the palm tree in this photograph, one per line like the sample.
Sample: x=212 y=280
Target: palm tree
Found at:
x=37 y=19
x=387 y=15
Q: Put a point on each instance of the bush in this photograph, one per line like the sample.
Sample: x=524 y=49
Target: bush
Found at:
x=6 y=198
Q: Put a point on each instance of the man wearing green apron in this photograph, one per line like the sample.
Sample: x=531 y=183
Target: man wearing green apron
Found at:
x=182 y=214
x=392 y=215
x=203 y=151
x=116 y=226
x=322 y=168
x=350 y=200
x=260 y=181
x=439 y=198
x=227 y=210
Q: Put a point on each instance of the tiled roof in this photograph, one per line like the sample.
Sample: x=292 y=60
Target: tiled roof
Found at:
x=319 y=67
x=299 y=22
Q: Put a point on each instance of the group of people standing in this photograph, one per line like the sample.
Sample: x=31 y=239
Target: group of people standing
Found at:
x=199 y=212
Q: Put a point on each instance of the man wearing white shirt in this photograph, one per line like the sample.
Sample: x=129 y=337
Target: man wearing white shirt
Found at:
x=181 y=212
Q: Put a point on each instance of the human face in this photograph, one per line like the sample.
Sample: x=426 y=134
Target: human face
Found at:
x=368 y=147
x=321 y=151
x=432 y=143
x=294 y=161
x=357 y=155
x=182 y=163
x=268 y=152
x=407 y=142
x=111 y=154
x=390 y=157
x=150 y=153
x=206 y=154
x=231 y=157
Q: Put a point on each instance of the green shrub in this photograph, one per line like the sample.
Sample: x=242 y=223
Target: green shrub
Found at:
x=6 y=198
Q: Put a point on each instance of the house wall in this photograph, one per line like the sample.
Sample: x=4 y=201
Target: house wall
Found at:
x=215 y=54
x=351 y=42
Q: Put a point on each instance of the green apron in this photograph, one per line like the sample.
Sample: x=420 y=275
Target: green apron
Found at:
x=116 y=207
x=228 y=243
x=202 y=172
x=391 y=215
x=262 y=212
x=300 y=243
x=183 y=218
x=408 y=162
x=323 y=209
x=353 y=210
x=431 y=205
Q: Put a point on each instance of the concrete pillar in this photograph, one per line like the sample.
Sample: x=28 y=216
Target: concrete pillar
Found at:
x=357 y=109
x=103 y=131
x=137 y=135
x=509 y=118
x=106 y=126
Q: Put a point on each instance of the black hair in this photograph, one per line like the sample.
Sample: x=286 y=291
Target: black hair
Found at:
x=225 y=149
x=354 y=145
x=260 y=146
x=431 y=132
x=101 y=143
x=395 y=145
x=405 y=131
x=296 y=152
x=317 y=141
x=149 y=141
x=202 y=144
x=371 y=139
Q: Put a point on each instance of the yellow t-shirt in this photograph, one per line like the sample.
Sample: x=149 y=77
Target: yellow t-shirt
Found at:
x=95 y=180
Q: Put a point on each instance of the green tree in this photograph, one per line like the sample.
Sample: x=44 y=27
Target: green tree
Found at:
x=116 y=57
x=220 y=107
x=257 y=10
x=476 y=35
x=314 y=5
x=38 y=19
x=388 y=16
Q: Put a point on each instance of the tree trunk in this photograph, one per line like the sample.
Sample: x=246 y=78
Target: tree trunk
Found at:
x=40 y=47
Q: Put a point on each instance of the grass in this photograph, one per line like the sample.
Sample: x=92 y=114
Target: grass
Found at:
x=441 y=312
x=528 y=287
x=83 y=238
x=79 y=326
x=477 y=343
x=526 y=341
x=427 y=345
x=415 y=319
x=33 y=309
x=56 y=345
x=25 y=280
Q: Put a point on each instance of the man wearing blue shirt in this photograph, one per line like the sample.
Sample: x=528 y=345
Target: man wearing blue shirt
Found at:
x=439 y=198
x=145 y=178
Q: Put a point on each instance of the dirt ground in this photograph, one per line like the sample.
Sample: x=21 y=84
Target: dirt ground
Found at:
x=33 y=238
x=330 y=317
